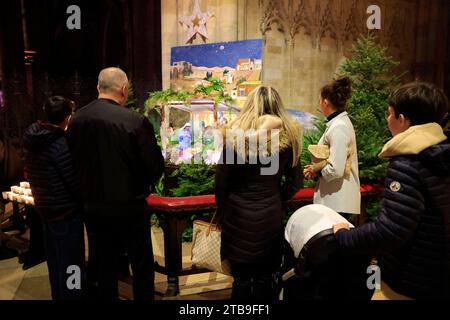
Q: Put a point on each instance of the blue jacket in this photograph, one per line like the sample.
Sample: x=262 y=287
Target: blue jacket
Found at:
x=49 y=169
x=411 y=237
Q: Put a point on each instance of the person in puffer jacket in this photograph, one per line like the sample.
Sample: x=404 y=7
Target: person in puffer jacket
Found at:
x=56 y=192
x=251 y=198
x=411 y=237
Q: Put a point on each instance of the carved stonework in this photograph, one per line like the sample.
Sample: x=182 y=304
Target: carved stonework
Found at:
x=291 y=16
x=352 y=28
x=328 y=26
x=400 y=26
x=302 y=19
x=344 y=21
x=270 y=16
x=394 y=33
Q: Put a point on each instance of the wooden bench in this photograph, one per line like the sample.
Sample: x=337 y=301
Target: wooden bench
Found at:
x=174 y=214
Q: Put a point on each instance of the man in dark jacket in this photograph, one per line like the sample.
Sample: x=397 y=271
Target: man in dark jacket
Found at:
x=412 y=234
x=49 y=168
x=117 y=159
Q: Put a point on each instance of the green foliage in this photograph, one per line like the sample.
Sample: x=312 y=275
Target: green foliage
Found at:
x=371 y=71
x=154 y=221
x=159 y=186
x=215 y=89
x=311 y=137
x=162 y=98
x=131 y=104
x=131 y=101
x=187 y=233
x=186 y=236
x=153 y=120
x=372 y=210
x=214 y=85
x=193 y=180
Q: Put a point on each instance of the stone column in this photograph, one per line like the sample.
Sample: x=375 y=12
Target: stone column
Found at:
x=227 y=15
x=171 y=34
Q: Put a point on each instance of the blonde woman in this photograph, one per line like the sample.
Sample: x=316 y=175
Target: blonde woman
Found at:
x=250 y=199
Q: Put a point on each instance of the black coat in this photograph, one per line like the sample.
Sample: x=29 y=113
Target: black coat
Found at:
x=252 y=207
x=412 y=234
x=49 y=169
x=116 y=157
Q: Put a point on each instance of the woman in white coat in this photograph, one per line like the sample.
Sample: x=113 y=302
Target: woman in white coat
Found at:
x=338 y=187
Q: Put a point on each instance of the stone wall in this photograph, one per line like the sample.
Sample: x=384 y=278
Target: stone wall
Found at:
x=233 y=20
x=306 y=40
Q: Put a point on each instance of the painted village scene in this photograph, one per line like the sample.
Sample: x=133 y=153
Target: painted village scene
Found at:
x=149 y=151
x=209 y=86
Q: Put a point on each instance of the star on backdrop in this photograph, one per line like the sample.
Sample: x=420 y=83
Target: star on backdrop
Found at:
x=196 y=23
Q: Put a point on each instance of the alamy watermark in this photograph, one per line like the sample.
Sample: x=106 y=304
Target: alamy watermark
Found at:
x=73 y=281
x=374 y=280
x=74 y=20
x=240 y=147
x=374 y=21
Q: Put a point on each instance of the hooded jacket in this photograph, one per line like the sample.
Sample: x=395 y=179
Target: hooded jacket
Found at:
x=49 y=169
x=251 y=203
x=412 y=234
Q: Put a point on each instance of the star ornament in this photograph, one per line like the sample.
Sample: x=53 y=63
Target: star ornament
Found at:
x=196 y=23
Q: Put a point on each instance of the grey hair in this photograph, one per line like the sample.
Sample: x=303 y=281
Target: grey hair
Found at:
x=112 y=80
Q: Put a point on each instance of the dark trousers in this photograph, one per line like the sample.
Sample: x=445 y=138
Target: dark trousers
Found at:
x=36 y=248
x=64 y=247
x=254 y=282
x=92 y=267
x=109 y=239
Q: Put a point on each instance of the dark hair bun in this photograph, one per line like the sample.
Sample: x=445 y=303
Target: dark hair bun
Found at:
x=343 y=88
x=338 y=92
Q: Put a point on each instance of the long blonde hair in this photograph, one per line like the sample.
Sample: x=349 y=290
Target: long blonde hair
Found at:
x=265 y=100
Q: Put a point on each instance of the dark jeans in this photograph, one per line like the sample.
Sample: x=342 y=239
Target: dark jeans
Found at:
x=109 y=239
x=64 y=246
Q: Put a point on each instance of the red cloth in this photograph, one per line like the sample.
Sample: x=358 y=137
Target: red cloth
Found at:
x=208 y=201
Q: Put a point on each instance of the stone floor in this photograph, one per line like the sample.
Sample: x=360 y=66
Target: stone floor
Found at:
x=33 y=284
